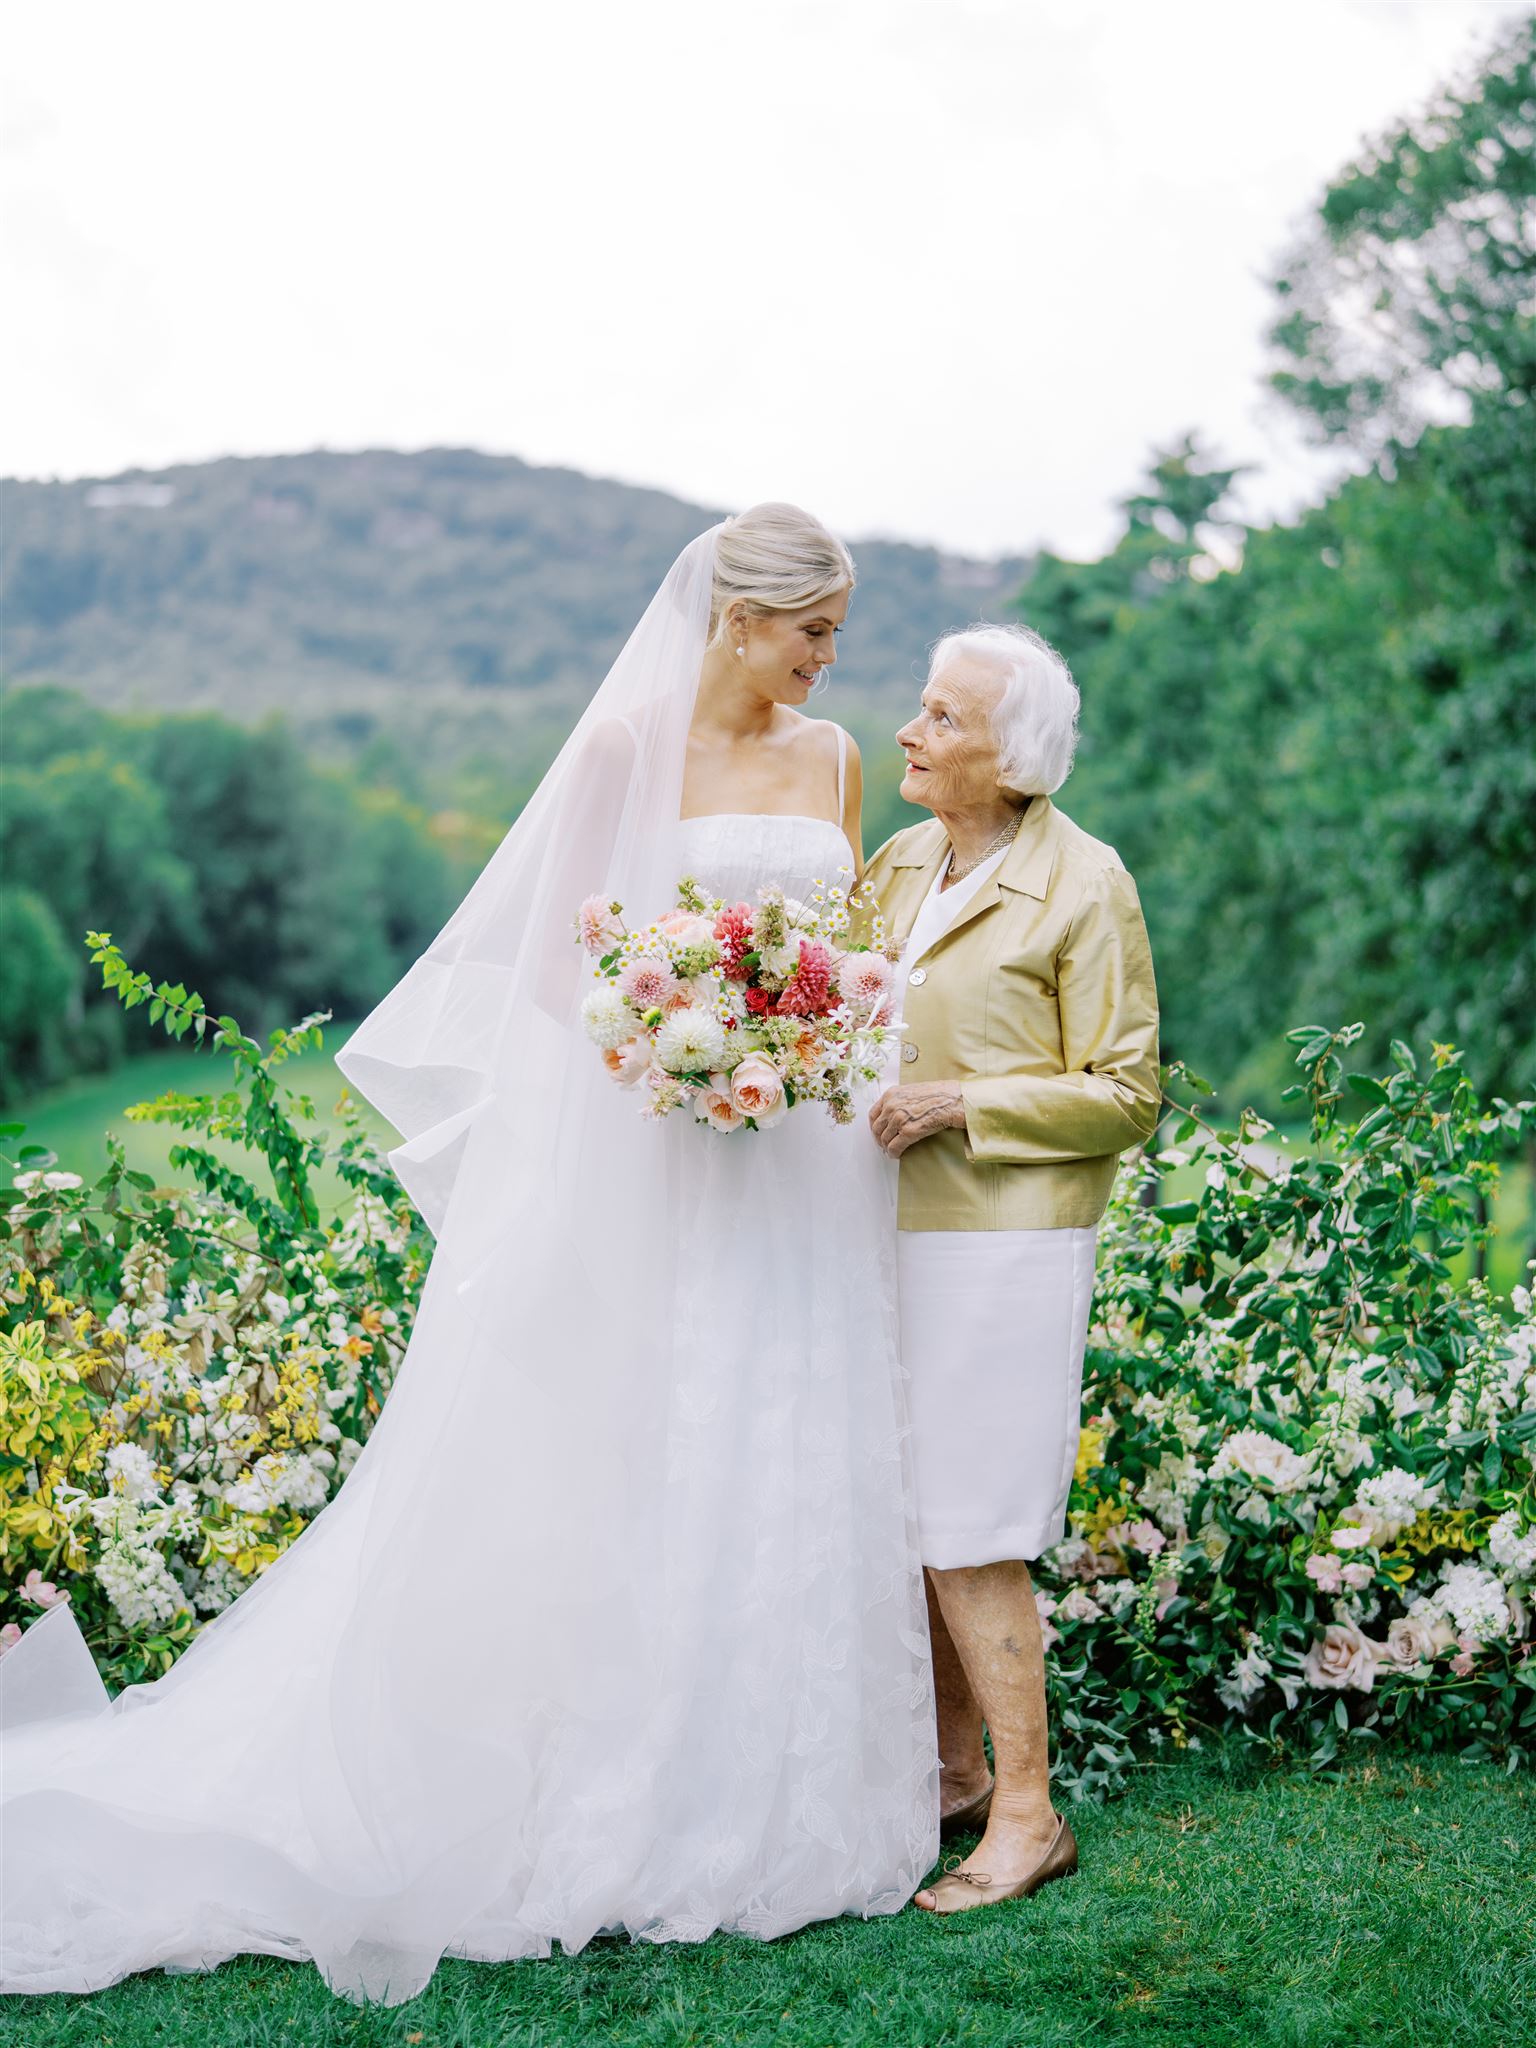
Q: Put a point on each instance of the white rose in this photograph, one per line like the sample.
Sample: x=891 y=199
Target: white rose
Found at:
x=1341 y=1659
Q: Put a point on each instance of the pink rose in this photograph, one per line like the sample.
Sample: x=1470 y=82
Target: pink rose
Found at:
x=1341 y=1659
x=757 y=1089
x=598 y=926
x=1410 y=1641
x=716 y=1106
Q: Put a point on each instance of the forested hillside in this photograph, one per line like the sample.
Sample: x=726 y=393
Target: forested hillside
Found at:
x=442 y=609
x=1312 y=744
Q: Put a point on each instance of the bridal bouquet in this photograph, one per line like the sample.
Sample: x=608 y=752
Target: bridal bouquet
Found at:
x=738 y=1010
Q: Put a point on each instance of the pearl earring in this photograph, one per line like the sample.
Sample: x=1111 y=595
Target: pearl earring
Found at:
x=742 y=648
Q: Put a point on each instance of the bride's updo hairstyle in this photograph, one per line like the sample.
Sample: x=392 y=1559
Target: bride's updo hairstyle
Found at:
x=775 y=558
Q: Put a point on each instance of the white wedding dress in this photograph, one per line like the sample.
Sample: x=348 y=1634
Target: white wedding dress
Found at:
x=519 y=1684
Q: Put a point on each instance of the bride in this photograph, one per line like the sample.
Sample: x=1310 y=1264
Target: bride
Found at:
x=617 y=1624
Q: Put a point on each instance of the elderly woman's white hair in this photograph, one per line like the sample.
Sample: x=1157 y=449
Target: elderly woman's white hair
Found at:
x=1035 y=718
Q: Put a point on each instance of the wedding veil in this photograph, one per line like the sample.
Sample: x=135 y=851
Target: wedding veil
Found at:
x=336 y=1766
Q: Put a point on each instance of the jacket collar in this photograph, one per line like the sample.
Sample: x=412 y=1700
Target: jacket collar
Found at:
x=1025 y=867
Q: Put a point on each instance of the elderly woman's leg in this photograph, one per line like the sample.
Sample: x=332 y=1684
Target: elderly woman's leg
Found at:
x=989 y=1611
x=962 y=1749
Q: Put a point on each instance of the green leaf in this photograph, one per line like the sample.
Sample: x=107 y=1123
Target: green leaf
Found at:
x=1368 y=1086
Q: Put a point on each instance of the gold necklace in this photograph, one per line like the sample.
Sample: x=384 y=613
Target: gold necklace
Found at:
x=1009 y=831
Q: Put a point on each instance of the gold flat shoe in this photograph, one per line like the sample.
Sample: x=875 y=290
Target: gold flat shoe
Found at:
x=968 y=1819
x=969 y=1888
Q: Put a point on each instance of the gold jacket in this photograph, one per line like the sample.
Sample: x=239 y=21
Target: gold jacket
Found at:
x=1040 y=1001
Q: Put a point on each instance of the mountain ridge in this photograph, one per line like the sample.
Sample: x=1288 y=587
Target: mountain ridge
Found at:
x=441 y=600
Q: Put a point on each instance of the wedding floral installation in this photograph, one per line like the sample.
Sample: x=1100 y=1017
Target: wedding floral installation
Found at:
x=736 y=1010
x=1303 y=1513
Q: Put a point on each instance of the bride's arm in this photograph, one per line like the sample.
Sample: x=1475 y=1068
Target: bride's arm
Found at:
x=853 y=807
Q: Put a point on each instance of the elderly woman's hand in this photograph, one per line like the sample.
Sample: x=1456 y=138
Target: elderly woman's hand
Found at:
x=904 y=1115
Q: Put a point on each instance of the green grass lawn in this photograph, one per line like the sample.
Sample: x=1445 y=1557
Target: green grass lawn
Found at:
x=1216 y=1904
x=73 y=1120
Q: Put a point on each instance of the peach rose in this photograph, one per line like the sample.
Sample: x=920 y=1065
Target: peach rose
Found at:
x=628 y=1062
x=715 y=1105
x=685 y=928
x=757 y=1089
x=1342 y=1659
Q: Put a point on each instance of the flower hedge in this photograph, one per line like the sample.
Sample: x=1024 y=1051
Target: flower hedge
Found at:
x=186 y=1376
x=1303 y=1510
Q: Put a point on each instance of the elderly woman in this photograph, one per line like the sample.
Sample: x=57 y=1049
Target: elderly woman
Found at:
x=1028 y=1063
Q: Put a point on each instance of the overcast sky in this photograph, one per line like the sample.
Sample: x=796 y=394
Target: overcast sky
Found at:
x=943 y=269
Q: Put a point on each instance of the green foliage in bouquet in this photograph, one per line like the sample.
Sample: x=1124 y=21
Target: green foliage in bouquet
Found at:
x=187 y=1375
x=1303 y=1511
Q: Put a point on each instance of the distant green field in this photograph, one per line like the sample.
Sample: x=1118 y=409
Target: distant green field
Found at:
x=73 y=1122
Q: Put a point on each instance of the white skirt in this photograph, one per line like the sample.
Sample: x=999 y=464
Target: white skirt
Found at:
x=994 y=1324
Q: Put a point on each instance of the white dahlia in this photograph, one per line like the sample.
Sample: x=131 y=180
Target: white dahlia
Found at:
x=691 y=1040
x=607 y=1018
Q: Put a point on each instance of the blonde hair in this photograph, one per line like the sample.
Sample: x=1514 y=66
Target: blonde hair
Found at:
x=775 y=558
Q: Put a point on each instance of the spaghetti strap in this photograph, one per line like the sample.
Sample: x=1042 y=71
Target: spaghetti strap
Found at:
x=842 y=768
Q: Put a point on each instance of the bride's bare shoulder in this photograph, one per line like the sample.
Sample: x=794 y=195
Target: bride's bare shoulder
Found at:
x=821 y=737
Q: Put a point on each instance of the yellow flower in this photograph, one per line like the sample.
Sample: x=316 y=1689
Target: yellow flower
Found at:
x=1090 y=1449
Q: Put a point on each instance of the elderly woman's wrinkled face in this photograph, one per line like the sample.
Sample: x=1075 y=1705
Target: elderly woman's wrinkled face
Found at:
x=951 y=749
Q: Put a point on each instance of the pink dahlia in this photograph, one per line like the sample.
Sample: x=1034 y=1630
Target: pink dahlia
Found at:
x=647 y=984
x=597 y=925
x=807 y=992
x=864 y=979
x=733 y=929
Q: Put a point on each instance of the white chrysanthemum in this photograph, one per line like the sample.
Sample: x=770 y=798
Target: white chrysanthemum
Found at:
x=1507 y=1547
x=1257 y=1455
x=1473 y=1599
x=691 y=1040
x=607 y=1018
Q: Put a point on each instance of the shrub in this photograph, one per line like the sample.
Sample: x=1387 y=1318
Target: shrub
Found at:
x=1303 y=1509
x=186 y=1376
